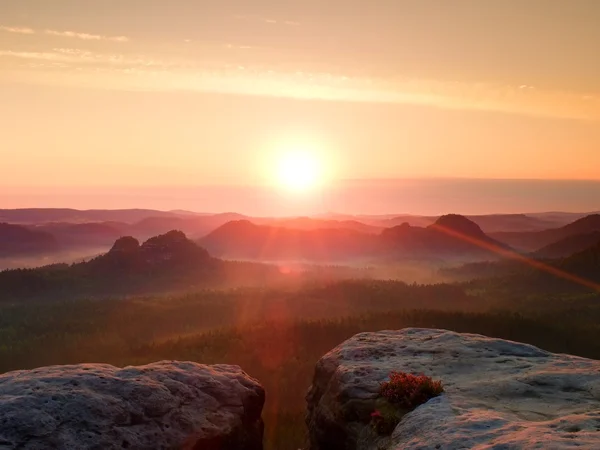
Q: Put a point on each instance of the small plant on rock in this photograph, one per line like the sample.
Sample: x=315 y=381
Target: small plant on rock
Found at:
x=402 y=393
x=385 y=419
x=409 y=391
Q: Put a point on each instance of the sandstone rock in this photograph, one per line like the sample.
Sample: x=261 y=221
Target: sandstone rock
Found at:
x=498 y=394
x=166 y=405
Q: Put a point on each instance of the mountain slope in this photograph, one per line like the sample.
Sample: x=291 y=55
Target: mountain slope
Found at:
x=451 y=236
x=532 y=241
x=577 y=272
x=568 y=246
x=16 y=240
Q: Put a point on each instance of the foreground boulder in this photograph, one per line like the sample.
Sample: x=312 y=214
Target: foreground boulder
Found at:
x=498 y=394
x=166 y=405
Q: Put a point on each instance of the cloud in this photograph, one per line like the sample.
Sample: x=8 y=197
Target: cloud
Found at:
x=77 y=56
x=18 y=30
x=86 y=36
x=74 y=66
x=239 y=47
x=268 y=20
x=66 y=34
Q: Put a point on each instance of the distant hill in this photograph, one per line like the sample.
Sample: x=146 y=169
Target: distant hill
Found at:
x=568 y=246
x=532 y=241
x=168 y=262
x=246 y=240
x=103 y=234
x=16 y=240
x=414 y=221
x=49 y=215
x=92 y=234
x=494 y=223
x=311 y=223
x=449 y=237
x=585 y=264
x=580 y=271
x=490 y=223
x=192 y=225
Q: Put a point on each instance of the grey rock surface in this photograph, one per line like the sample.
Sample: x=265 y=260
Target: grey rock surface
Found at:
x=499 y=394
x=165 y=405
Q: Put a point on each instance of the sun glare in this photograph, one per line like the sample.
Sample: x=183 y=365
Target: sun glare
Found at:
x=299 y=170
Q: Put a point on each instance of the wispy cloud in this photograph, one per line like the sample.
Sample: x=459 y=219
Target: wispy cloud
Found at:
x=65 y=34
x=267 y=20
x=239 y=47
x=86 y=36
x=18 y=30
x=77 y=56
x=146 y=72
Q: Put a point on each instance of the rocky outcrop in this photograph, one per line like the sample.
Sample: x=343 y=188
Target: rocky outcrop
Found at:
x=126 y=244
x=166 y=405
x=171 y=253
x=498 y=394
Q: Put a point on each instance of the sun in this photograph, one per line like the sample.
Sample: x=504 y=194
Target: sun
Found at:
x=299 y=170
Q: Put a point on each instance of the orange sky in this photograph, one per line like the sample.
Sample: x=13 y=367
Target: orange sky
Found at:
x=188 y=93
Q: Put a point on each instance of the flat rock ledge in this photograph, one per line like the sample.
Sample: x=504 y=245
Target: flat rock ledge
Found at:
x=498 y=395
x=165 y=405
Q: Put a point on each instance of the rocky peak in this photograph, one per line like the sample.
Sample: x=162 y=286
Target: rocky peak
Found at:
x=174 y=246
x=127 y=244
x=497 y=394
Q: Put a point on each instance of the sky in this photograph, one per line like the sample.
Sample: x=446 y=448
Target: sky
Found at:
x=122 y=103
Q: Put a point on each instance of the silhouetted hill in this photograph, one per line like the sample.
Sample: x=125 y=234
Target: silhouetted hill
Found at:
x=568 y=246
x=532 y=241
x=245 y=240
x=311 y=223
x=168 y=262
x=16 y=240
x=456 y=223
x=414 y=221
x=494 y=223
x=490 y=223
x=585 y=264
x=49 y=215
x=451 y=236
x=91 y=234
x=192 y=225
x=167 y=253
x=580 y=271
x=103 y=234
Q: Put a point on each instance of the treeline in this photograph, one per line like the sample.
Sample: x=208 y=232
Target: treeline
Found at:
x=282 y=355
x=278 y=334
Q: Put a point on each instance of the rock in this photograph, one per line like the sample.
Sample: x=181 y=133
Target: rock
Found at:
x=126 y=244
x=165 y=405
x=498 y=394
